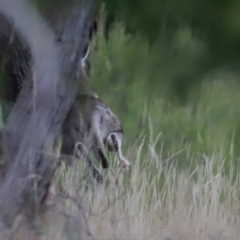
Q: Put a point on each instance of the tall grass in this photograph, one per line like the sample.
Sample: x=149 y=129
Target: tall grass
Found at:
x=184 y=182
x=153 y=201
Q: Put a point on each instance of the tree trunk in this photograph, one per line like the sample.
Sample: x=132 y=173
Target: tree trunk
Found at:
x=42 y=105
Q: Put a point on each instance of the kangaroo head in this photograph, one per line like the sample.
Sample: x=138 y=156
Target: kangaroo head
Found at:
x=114 y=144
x=114 y=141
x=81 y=151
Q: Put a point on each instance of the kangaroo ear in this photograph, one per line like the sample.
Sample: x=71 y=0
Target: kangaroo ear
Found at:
x=85 y=54
x=80 y=150
x=115 y=141
x=79 y=146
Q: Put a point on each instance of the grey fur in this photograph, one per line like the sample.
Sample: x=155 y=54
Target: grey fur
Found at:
x=81 y=151
x=92 y=124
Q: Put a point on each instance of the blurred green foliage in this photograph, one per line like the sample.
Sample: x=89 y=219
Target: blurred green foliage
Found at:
x=194 y=36
x=136 y=81
x=215 y=23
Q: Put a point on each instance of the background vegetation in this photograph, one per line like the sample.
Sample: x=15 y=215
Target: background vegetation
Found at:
x=135 y=80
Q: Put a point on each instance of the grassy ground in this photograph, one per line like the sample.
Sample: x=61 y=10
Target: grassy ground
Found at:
x=153 y=201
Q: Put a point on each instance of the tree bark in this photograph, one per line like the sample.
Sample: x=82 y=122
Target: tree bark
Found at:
x=42 y=105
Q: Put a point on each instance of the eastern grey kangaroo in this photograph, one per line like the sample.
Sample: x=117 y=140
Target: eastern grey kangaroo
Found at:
x=92 y=126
